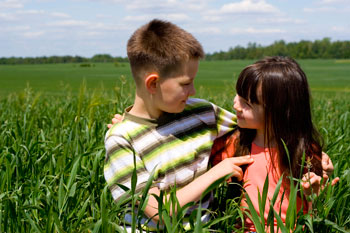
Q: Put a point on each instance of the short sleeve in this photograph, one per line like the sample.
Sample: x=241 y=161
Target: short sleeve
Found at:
x=225 y=121
x=120 y=164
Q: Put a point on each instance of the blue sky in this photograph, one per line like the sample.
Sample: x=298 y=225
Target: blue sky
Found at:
x=88 y=27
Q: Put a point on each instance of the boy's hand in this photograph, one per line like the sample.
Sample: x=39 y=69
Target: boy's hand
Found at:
x=231 y=166
x=117 y=119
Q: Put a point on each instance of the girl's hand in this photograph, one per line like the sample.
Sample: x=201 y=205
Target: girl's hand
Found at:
x=231 y=166
x=311 y=183
x=328 y=168
x=117 y=119
x=327 y=164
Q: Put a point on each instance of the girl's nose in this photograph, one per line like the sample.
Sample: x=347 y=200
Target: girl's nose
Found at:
x=236 y=104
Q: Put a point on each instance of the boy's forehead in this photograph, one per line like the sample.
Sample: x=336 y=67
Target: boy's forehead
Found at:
x=189 y=67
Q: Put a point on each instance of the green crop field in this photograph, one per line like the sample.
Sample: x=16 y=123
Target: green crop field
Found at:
x=324 y=75
x=52 y=124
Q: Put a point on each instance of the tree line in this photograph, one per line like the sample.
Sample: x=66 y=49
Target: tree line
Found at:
x=325 y=49
x=61 y=59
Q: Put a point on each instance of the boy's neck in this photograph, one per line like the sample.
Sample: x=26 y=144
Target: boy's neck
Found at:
x=143 y=110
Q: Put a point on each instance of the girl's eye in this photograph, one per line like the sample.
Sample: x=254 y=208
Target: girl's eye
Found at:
x=247 y=104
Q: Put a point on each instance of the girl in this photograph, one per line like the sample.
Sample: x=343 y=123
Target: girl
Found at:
x=273 y=106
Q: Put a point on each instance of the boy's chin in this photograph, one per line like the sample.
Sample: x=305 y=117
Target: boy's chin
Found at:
x=178 y=110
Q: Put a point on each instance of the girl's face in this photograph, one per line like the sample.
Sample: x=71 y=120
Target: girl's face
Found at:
x=249 y=115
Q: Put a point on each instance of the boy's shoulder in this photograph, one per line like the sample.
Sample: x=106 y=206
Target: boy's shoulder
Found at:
x=124 y=128
x=193 y=103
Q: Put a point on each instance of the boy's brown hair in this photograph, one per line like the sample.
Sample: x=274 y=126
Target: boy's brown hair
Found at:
x=162 y=47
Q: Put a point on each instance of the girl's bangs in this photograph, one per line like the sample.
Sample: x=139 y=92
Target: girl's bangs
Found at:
x=247 y=85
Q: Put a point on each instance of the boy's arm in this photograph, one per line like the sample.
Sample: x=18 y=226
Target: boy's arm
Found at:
x=193 y=191
x=119 y=164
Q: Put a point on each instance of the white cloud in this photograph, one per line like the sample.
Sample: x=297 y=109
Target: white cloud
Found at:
x=7 y=17
x=251 y=30
x=176 y=17
x=33 y=34
x=334 y=1
x=212 y=18
x=11 y=4
x=319 y=9
x=14 y=29
x=31 y=12
x=103 y=16
x=281 y=20
x=150 y=5
x=138 y=18
x=68 y=23
x=60 y=15
x=249 y=6
x=92 y=33
x=145 y=18
x=156 y=6
x=207 y=30
x=340 y=29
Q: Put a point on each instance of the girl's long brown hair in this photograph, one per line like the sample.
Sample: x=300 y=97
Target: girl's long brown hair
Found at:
x=286 y=101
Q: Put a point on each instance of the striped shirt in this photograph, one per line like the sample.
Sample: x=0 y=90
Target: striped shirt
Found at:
x=176 y=146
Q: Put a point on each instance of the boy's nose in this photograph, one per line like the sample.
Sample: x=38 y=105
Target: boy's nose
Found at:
x=192 y=91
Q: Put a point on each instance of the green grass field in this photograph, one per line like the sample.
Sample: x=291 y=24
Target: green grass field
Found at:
x=52 y=151
x=323 y=75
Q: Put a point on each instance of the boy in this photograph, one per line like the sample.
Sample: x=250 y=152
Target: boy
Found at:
x=164 y=129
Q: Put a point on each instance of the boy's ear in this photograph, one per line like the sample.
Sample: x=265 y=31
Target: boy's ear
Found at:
x=151 y=82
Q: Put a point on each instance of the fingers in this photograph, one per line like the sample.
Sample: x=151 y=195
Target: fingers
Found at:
x=311 y=183
x=118 y=116
x=231 y=166
x=327 y=164
x=116 y=119
x=238 y=173
x=242 y=160
x=238 y=161
x=335 y=181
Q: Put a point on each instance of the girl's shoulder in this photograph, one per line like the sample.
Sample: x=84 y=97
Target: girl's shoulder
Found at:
x=223 y=147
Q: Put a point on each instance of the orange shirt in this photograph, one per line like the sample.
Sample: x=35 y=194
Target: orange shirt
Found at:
x=254 y=178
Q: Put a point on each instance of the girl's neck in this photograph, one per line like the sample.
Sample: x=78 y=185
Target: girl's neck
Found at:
x=259 y=139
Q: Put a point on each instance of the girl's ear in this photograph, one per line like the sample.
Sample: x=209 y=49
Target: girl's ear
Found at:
x=151 y=82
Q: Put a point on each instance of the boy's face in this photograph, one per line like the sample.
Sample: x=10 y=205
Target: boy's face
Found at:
x=173 y=92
